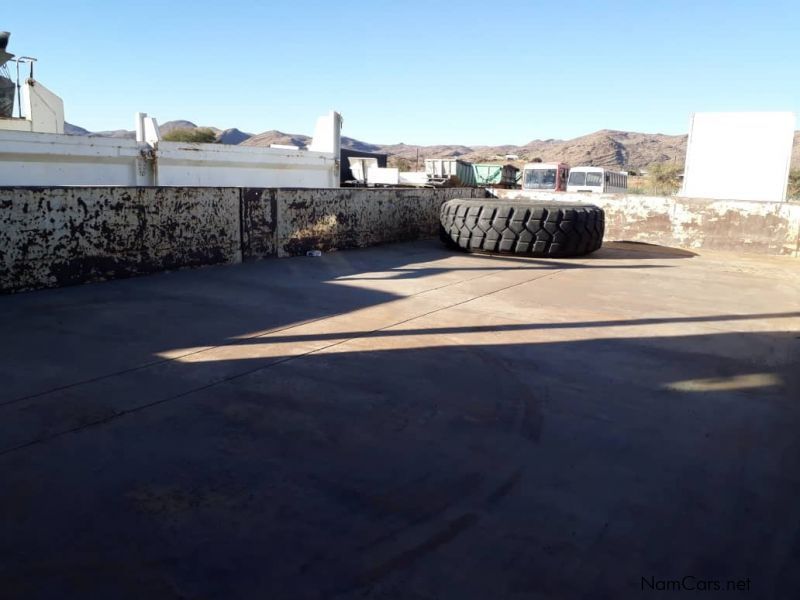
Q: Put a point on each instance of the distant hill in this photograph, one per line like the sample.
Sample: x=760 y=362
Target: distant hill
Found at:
x=173 y=125
x=353 y=144
x=226 y=136
x=277 y=137
x=71 y=129
x=302 y=141
x=606 y=148
x=117 y=133
x=233 y=136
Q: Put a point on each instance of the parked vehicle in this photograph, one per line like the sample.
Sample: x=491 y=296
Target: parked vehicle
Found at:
x=346 y=175
x=449 y=171
x=504 y=176
x=597 y=180
x=545 y=176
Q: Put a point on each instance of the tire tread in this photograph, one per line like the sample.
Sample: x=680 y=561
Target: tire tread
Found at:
x=520 y=227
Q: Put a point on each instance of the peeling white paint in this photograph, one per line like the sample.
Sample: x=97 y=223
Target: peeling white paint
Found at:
x=742 y=226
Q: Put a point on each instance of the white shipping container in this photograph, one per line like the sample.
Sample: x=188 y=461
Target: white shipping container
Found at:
x=739 y=156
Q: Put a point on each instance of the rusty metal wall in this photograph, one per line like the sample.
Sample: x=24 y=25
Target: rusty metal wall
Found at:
x=259 y=222
x=355 y=218
x=50 y=237
x=289 y=222
x=733 y=225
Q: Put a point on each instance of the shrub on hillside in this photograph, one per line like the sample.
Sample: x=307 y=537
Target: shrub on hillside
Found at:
x=793 y=191
x=401 y=163
x=663 y=179
x=199 y=135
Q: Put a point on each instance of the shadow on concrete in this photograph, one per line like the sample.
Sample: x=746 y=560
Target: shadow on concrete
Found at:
x=530 y=264
x=76 y=335
x=514 y=327
x=485 y=467
x=610 y=250
x=629 y=250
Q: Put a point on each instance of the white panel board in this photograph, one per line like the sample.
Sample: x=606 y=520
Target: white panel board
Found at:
x=28 y=158
x=51 y=159
x=383 y=176
x=413 y=178
x=739 y=156
x=186 y=164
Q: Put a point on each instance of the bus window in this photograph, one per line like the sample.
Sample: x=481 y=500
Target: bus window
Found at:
x=540 y=179
x=577 y=178
x=594 y=179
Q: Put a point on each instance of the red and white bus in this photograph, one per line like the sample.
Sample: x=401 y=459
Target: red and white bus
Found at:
x=545 y=176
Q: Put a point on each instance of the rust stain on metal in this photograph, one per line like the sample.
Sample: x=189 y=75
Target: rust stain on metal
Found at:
x=354 y=218
x=759 y=227
x=258 y=222
x=61 y=236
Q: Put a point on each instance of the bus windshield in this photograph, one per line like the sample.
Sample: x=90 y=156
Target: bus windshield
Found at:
x=540 y=179
x=577 y=178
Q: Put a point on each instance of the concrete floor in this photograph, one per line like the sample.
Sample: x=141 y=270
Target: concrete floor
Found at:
x=405 y=422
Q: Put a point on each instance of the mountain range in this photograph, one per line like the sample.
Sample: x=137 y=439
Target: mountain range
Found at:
x=607 y=147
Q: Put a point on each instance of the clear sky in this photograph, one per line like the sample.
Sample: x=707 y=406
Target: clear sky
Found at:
x=410 y=71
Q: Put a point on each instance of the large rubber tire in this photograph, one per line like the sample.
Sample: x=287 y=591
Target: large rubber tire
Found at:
x=552 y=229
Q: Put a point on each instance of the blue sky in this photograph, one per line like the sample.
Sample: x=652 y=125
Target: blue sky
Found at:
x=414 y=72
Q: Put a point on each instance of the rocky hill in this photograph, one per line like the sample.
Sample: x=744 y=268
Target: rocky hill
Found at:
x=295 y=139
x=607 y=148
x=277 y=137
x=232 y=136
x=173 y=125
x=224 y=136
x=71 y=129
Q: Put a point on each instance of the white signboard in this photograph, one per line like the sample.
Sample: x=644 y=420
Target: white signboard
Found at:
x=739 y=156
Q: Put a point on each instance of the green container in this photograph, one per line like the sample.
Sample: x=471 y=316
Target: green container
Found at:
x=495 y=175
